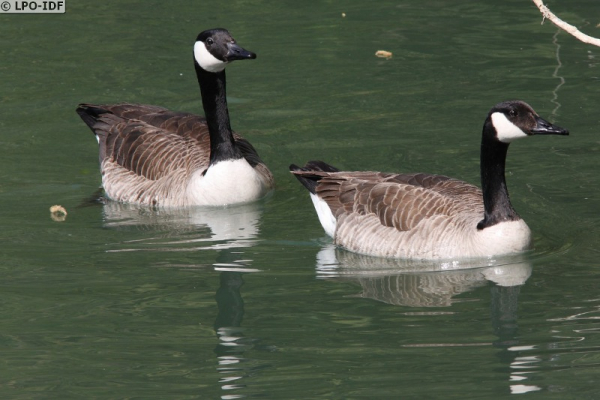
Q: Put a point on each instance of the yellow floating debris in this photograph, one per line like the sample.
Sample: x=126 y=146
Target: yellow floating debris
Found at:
x=384 y=54
x=58 y=213
x=343 y=15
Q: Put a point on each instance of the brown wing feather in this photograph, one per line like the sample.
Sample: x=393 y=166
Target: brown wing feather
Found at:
x=153 y=152
x=153 y=141
x=399 y=200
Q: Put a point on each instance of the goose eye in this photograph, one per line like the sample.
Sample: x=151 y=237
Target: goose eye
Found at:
x=209 y=41
x=512 y=113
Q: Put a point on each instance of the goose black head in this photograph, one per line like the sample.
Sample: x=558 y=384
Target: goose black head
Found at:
x=512 y=120
x=214 y=48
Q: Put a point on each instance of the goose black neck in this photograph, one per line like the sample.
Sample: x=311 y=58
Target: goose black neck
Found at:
x=493 y=183
x=214 y=101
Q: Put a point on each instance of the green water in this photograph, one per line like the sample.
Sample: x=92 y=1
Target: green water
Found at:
x=126 y=302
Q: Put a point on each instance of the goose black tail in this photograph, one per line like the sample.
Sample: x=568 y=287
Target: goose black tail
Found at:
x=308 y=180
x=90 y=113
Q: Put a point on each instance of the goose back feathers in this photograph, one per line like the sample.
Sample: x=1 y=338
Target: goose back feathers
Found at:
x=407 y=215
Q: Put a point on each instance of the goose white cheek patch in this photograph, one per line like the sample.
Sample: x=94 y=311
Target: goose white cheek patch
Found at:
x=506 y=130
x=207 y=61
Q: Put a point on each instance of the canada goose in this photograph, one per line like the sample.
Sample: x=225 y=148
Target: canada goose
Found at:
x=425 y=216
x=154 y=156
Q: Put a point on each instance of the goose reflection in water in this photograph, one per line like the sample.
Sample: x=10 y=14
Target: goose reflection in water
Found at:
x=232 y=345
x=418 y=283
x=230 y=231
x=411 y=283
x=187 y=229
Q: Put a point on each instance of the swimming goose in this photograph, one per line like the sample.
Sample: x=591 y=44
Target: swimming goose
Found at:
x=153 y=156
x=425 y=216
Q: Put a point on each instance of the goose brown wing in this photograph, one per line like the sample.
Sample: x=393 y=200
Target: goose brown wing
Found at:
x=399 y=200
x=153 y=141
x=150 y=141
x=154 y=153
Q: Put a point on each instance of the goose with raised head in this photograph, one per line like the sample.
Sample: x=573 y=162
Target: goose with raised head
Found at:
x=153 y=156
x=425 y=216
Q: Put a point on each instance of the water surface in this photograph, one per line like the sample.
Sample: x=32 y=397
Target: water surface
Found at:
x=126 y=302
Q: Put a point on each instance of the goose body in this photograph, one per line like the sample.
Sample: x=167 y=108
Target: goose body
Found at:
x=427 y=216
x=153 y=156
